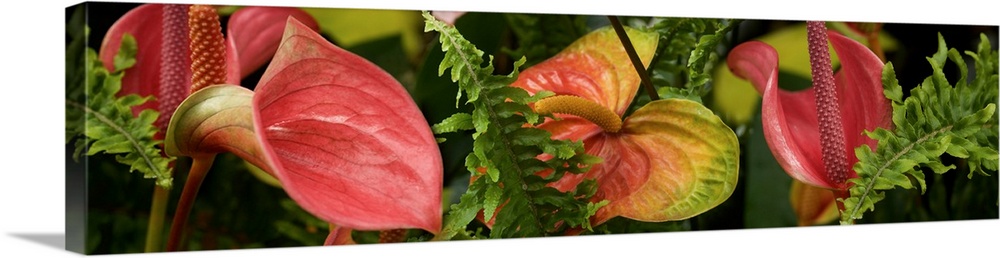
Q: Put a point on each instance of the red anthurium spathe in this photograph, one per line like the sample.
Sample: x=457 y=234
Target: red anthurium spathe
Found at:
x=813 y=133
x=669 y=160
x=163 y=60
x=181 y=49
x=344 y=138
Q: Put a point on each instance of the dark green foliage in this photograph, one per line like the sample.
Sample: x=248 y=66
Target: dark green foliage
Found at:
x=540 y=36
x=766 y=184
x=302 y=227
x=432 y=92
x=687 y=52
x=504 y=159
x=936 y=121
x=105 y=120
x=227 y=215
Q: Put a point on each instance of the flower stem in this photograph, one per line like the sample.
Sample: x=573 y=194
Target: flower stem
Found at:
x=199 y=168
x=156 y=215
x=339 y=236
x=636 y=62
x=874 y=43
x=840 y=194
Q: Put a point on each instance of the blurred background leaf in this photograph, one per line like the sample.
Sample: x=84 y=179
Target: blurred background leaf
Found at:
x=767 y=202
x=351 y=27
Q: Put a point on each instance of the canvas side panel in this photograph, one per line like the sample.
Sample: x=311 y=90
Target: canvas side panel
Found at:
x=76 y=169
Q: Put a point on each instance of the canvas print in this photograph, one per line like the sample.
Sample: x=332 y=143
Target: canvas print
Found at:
x=201 y=127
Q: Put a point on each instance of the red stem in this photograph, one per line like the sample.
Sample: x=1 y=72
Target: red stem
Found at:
x=843 y=195
x=199 y=168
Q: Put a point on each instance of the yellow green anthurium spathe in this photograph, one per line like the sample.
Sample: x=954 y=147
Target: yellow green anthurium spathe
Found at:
x=671 y=159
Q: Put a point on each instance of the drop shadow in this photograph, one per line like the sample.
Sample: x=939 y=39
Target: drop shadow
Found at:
x=54 y=240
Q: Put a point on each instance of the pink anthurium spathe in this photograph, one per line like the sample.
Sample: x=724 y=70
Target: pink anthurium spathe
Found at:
x=163 y=59
x=180 y=50
x=813 y=132
x=669 y=160
x=343 y=137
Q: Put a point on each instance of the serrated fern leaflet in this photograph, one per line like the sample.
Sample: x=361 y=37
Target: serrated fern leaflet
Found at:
x=505 y=151
x=937 y=118
x=687 y=53
x=106 y=121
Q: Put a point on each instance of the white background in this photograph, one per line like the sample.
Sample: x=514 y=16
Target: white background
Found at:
x=32 y=162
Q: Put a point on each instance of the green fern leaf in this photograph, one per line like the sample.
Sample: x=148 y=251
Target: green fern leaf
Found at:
x=686 y=55
x=455 y=123
x=103 y=123
x=504 y=159
x=936 y=119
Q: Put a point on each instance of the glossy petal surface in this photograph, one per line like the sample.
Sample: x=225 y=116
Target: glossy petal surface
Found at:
x=345 y=138
x=790 y=123
x=673 y=160
x=342 y=136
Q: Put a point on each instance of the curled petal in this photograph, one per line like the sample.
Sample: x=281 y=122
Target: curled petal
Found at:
x=253 y=36
x=345 y=138
x=216 y=119
x=692 y=164
x=342 y=136
x=789 y=118
x=790 y=121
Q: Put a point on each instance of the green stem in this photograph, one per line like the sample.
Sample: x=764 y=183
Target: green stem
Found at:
x=154 y=230
x=199 y=168
x=636 y=62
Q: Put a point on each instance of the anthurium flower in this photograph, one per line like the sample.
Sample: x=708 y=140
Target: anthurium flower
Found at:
x=164 y=56
x=812 y=205
x=669 y=160
x=813 y=132
x=343 y=137
x=448 y=17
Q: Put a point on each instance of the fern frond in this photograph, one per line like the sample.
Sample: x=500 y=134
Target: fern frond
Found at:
x=105 y=121
x=936 y=119
x=687 y=54
x=504 y=159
